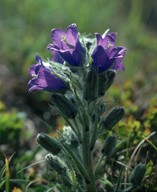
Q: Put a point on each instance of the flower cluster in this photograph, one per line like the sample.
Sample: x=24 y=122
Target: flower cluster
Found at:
x=78 y=76
x=69 y=49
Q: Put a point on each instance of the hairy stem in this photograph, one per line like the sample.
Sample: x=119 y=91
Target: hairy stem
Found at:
x=88 y=156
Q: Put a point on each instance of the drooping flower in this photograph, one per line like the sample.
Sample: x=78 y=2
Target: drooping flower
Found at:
x=106 y=55
x=67 y=44
x=43 y=79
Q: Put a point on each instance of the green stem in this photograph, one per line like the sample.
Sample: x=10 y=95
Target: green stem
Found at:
x=94 y=134
x=76 y=160
x=88 y=158
x=83 y=118
x=92 y=185
x=7 y=175
x=98 y=165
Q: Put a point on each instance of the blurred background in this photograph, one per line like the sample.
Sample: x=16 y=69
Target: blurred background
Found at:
x=25 y=28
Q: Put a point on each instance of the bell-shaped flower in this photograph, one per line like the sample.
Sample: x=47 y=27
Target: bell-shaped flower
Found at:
x=67 y=44
x=106 y=55
x=44 y=79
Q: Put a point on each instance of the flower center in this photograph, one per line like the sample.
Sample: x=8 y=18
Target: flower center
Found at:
x=110 y=44
x=34 y=75
x=64 y=39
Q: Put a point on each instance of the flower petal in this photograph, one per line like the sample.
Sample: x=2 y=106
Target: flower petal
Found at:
x=72 y=34
x=58 y=36
x=101 y=59
x=117 y=52
x=33 y=70
x=44 y=80
x=107 y=41
x=56 y=57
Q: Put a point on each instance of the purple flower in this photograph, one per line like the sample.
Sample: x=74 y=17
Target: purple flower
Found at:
x=106 y=55
x=43 y=79
x=56 y=57
x=67 y=44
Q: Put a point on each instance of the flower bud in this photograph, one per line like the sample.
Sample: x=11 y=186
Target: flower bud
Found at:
x=60 y=167
x=114 y=116
x=109 y=146
x=48 y=143
x=105 y=81
x=91 y=86
x=64 y=106
x=138 y=174
x=55 y=163
x=70 y=137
